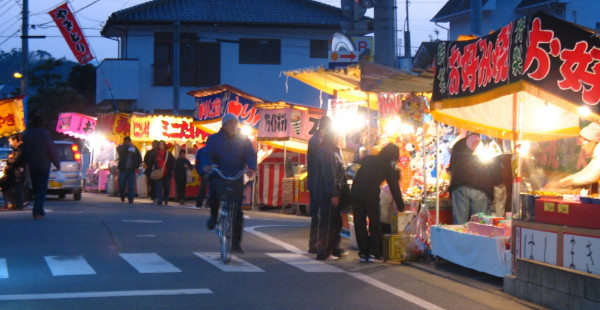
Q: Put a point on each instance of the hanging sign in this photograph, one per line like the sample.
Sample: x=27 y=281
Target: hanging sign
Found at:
x=66 y=22
x=390 y=103
x=211 y=108
x=283 y=124
x=113 y=126
x=556 y=56
x=11 y=116
x=75 y=124
x=163 y=127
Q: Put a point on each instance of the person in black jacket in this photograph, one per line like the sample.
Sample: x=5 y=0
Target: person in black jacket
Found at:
x=148 y=163
x=129 y=160
x=16 y=142
x=472 y=181
x=374 y=169
x=182 y=165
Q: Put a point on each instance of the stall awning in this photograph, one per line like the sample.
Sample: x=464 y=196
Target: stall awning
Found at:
x=359 y=83
x=76 y=124
x=532 y=76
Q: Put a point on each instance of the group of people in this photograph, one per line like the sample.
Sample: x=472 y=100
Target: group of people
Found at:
x=326 y=177
x=157 y=158
x=33 y=153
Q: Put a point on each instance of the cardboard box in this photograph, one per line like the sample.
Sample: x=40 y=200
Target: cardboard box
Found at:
x=570 y=213
x=395 y=247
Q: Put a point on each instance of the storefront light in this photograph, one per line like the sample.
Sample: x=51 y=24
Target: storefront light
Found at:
x=96 y=140
x=487 y=151
x=584 y=111
x=246 y=131
x=392 y=125
x=347 y=122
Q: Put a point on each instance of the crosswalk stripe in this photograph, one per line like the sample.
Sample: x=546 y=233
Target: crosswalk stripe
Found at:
x=3 y=269
x=105 y=294
x=236 y=264
x=149 y=263
x=68 y=265
x=304 y=263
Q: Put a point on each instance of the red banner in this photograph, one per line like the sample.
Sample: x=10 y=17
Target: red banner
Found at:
x=65 y=20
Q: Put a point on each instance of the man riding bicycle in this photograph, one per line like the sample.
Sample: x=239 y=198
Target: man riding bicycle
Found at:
x=231 y=152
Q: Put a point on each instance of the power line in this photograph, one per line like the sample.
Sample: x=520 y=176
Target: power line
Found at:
x=11 y=36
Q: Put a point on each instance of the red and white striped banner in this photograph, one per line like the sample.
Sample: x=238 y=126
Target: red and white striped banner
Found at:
x=270 y=189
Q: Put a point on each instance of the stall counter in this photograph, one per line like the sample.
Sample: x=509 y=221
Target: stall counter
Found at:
x=481 y=253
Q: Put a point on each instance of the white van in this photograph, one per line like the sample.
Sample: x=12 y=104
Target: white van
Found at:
x=70 y=166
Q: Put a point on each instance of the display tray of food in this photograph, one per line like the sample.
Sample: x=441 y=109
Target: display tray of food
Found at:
x=567 y=212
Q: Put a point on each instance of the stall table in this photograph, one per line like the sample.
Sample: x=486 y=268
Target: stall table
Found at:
x=481 y=253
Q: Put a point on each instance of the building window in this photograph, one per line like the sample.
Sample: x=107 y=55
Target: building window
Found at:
x=260 y=51
x=200 y=62
x=319 y=48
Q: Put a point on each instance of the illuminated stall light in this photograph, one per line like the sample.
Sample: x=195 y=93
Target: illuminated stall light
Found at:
x=584 y=111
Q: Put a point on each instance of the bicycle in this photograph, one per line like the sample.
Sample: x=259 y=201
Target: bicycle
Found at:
x=230 y=191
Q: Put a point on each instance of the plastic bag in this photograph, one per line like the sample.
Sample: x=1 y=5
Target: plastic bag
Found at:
x=59 y=177
x=419 y=231
x=189 y=176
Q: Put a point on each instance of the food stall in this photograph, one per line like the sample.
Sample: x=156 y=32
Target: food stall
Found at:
x=532 y=80
x=178 y=132
x=287 y=127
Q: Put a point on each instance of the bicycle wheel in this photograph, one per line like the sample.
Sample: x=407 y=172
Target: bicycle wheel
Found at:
x=226 y=232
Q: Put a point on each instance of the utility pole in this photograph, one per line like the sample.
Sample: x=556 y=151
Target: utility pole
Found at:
x=25 y=47
x=176 y=66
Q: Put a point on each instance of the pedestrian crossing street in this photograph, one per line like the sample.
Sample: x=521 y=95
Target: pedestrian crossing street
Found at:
x=144 y=263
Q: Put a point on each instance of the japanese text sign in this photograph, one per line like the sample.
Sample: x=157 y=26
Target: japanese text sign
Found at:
x=66 y=22
x=11 y=116
x=282 y=124
x=557 y=56
x=212 y=108
x=75 y=124
x=148 y=128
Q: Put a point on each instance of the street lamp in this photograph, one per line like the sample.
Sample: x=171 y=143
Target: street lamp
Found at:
x=17 y=75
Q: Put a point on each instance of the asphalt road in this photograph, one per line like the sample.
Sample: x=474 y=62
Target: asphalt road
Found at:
x=99 y=253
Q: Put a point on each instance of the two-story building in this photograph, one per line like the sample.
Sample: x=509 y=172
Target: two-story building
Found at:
x=497 y=13
x=170 y=47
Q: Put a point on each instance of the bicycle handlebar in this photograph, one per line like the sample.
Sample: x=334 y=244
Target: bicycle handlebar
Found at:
x=220 y=173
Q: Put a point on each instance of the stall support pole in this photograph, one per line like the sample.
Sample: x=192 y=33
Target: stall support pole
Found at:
x=437 y=174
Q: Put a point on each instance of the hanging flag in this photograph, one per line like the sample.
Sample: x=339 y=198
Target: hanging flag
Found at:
x=65 y=20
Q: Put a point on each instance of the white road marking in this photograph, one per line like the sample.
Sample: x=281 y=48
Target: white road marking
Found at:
x=235 y=265
x=69 y=265
x=388 y=288
x=149 y=263
x=142 y=221
x=395 y=291
x=304 y=263
x=278 y=242
x=3 y=269
x=106 y=294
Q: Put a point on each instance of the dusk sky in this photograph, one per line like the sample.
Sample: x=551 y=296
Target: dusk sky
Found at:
x=92 y=14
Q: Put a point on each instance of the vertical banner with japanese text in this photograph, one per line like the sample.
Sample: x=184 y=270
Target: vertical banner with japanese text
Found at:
x=66 y=22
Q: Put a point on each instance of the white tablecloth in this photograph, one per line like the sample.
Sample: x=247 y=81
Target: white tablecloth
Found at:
x=485 y=254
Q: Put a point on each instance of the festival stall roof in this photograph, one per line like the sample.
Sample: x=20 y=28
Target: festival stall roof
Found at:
x=12 y=117
x=531 y=77
x=214 y=102
x=358 y=82
x=299 y=125
x=76 y=125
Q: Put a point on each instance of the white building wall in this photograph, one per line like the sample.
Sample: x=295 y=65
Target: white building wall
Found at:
x=264 y=81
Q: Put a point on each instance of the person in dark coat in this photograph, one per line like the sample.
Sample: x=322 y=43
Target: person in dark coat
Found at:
x=326 y=190
x=129 y=160
x=311 y=162
x=40 y=153
x=182 y=165
x=16 y=142
x=164 y=160
x=374 y=169
x=232 y=152
x=7 y=184
x=149 y=159
x=472 y=180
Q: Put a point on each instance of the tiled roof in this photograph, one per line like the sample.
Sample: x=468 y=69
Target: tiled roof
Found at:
x=453 y=8
x=276 y=12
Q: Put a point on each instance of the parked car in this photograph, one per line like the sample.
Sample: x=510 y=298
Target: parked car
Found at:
x=70 y=166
